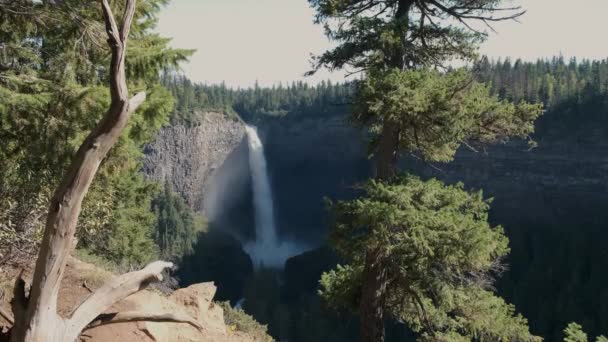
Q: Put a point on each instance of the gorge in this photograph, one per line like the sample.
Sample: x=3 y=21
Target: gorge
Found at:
x=549 y=200
x=309 y=158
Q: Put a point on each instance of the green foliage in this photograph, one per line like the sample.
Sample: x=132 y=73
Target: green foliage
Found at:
x=574 y=333
x=337 y=286
x=437 y=112
x=101 y=262
x=239 y=320
x=551 y=81
x=253 y=104
x=402 y=33
x=130 y=238
x=53 y=90
x=177 y=227
x=438 y=252
x=116 y=221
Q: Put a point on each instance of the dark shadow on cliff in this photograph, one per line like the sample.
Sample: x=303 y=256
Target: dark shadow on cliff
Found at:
x=220 y=258
x=228 y=196
x=218 y=255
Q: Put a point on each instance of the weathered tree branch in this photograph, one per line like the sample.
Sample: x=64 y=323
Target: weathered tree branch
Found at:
x=114 y=291
x=36 y=318
x=7 y=315
x=64 y=209
x=136 y=101
x=138 y=316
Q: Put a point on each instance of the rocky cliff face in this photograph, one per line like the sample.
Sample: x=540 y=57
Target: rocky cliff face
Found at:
x=309 y=159
x=563 y=179
x=561 y=182
x=190 y=157
x=313 y=158
x=208 y=164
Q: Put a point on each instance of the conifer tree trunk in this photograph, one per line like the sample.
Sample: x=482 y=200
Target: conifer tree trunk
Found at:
x=386 y=158
x=371 y=307
x=35 y=316
x=373 y=293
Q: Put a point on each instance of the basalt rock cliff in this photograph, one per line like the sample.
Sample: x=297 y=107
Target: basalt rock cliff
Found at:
x=189 y=156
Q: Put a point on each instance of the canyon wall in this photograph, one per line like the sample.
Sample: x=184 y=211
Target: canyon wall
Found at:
x=559 y=181
x=550 y=201
x=309 y=159
x=190 y=157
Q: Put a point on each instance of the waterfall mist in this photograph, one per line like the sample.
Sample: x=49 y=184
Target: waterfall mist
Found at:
x=266 y=250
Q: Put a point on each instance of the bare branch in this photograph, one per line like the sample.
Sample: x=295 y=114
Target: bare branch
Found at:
x=115 y=290
x=7 y=315
x=435 y=167
x=136 y=101
x=469 y=146
x=127 y=18
x=86 y=286
x=111 y=27
x=138 y=316
x=462 y=13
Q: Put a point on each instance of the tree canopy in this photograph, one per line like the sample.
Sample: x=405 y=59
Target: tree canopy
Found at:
x=177 y=227
x=404 y=33
x=574 y=333
x=435 y=113
x=438 y=253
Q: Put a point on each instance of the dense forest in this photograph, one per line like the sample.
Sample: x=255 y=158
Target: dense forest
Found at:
x=550 y=81
x=297 y=99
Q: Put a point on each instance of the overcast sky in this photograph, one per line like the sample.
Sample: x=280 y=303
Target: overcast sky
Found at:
x=241 y=41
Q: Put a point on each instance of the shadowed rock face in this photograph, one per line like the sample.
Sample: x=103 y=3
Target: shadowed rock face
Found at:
x=220 y=258
x=308 y=160
x=562 y=182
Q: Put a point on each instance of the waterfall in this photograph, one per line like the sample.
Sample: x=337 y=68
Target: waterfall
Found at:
x=266 y=250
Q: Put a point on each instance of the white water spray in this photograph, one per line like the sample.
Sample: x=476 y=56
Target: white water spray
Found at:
x=266 y=250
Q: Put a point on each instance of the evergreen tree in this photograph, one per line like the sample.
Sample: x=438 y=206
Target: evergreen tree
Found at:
x=295 y=101
x=435 y=257
x=551 y=81
x=397 y=43
x=435 y=112
x=177 y=226
x=574 y=333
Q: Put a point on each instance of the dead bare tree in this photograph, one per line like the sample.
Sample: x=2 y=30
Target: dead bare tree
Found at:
x=35 y=315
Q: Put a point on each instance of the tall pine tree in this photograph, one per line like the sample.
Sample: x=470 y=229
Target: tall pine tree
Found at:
x=407 y=107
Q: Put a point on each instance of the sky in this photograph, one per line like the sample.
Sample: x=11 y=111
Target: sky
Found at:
x=271 y=41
